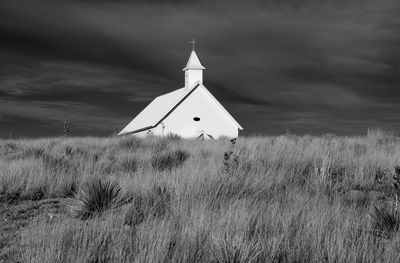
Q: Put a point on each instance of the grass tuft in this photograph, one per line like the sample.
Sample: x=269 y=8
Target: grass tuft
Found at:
x=153 y=204
x=236 y=250
x=386 y=222
x=97 y=196
x=129 y=143
x=54 y=163
x=169 y=160
x=173 y=137
x=129 y=164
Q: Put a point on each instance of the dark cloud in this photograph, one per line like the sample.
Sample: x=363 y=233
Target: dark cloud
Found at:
x=306 y=66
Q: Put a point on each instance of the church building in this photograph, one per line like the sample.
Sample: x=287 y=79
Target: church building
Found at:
x=190 y=112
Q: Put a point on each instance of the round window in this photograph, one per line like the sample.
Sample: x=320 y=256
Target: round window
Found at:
x=196 y=118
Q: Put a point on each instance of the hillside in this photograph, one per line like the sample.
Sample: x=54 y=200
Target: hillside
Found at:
x=264 y=199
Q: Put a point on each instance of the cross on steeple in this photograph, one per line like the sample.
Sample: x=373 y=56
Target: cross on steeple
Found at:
x=193 y=43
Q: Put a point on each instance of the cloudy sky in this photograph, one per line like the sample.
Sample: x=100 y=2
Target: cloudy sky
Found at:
x=299 y=66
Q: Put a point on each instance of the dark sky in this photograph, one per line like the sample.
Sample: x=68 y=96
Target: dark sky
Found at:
x=307 y=67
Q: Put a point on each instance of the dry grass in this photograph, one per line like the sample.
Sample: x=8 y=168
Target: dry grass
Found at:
x=274 y=199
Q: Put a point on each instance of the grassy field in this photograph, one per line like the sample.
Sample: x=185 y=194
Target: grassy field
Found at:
x=273 y=199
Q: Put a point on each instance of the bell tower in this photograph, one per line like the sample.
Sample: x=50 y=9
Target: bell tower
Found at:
x=193 y=70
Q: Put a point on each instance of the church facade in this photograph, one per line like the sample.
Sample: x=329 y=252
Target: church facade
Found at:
x=190 y=112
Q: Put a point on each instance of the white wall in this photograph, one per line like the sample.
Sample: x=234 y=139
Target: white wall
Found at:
x=213 y=119
x=192 y=76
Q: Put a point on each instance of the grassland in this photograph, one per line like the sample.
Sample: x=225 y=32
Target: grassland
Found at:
x=274 y=199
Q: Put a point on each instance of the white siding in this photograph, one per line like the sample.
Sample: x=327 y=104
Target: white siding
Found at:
x=192 y=76
x=213 y=120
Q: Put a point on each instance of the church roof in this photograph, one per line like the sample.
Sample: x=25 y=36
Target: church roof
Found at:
x=193 y=62
x=162 y=106
x=154 y=111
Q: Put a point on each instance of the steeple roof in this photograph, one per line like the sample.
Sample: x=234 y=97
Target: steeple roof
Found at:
x=193 y=62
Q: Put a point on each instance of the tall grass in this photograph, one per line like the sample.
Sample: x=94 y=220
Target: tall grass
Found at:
x=275 y=199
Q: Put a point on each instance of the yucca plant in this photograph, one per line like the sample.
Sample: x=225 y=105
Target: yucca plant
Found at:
x=67 y=128
x=236 y=250
x=385 y=222
x=97 y=196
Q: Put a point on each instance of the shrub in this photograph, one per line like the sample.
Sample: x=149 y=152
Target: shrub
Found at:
x=336 y=175
x=231 y=162
x=36 y=194
x=97 y=196
x=169 y=160
x=379 y=175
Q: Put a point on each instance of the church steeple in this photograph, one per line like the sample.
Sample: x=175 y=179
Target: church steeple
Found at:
x=193 y=70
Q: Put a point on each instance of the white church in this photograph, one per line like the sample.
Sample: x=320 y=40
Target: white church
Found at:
x=190 y=112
